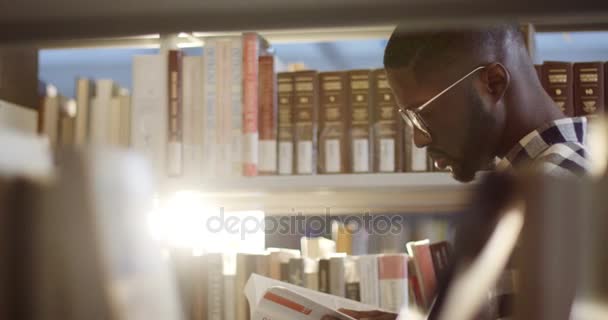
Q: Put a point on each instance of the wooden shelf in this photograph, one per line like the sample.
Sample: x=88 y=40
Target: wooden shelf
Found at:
x=342 y=194
x=34 y=20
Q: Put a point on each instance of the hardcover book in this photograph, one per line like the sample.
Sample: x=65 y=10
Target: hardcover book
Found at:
x=333 y=138
x=286 y=124
x=589 y=95
x=558 y=82
x=360 y=122
x=306 y=121
x=388 y=126
x=268 y=117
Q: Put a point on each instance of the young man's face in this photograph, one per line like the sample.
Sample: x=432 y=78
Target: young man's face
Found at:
x=459 y=123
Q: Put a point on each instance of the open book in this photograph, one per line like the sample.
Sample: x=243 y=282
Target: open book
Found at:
x=270 y=299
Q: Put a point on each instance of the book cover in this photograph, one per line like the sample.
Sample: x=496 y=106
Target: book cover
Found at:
x=421 y=253
x=267 y=116
x=306 y=121
x=387 y=125
x=149 y=110
x=369 y=281
x=558 y=82
x=215 y=286
x=416 y=295
x=175 y=111
x=286 y=127
x=85 y=90
x=296 y=271
x=333 y=110
x=440 y=252
x=193 y=119
x=250 y=74
x=360 y=122
x=393 y=275
x=337 y=284
x=324 y=277
x=352 y=278
x=588 y=88
x=233 y=112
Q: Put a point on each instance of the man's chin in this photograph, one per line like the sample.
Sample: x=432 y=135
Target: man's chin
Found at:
x=462 y=175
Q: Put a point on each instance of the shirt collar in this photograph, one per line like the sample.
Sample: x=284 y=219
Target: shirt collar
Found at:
x=532 y=145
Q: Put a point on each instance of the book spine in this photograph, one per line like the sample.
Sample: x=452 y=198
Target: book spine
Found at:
x=114 y=120
x=296 y=271
x=285 y=271
x=286 y=123
x=415 y=159
x=149 y=116
x=229 y=297
x=368 y=269
x=393 y=281
x=305 y=114
x=210 y=99
x=100 y=113
x=426 y=273
x=230 y=112
x=388 y=127
x=337 y=283
x=67 y=123
x=175 y=133
x=250 y=103
x=201 y=285
x=333 y=104
x=84 y=92
x=557 y=81
x=239 y=79
x=324 y=276
x=359 y=122
x=192 y=116
x=215 y=290
x=125 y=119
x=352 y=278
x=244 y=268
x=440 y=253
x=268 y=117
x=588 y=88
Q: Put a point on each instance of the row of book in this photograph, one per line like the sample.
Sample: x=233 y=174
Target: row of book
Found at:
x=100 y=114
x=211 y=285
x=578 y=89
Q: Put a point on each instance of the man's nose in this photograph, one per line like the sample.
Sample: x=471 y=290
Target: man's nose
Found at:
x=421 y=140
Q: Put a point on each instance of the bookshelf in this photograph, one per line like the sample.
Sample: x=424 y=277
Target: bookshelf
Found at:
x=343 y=194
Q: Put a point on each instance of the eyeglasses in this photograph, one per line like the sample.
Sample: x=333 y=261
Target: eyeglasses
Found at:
x=413 y=117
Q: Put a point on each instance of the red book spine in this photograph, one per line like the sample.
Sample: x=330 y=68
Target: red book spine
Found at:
x=174 y=151
x=268 y=117
x=250 y=103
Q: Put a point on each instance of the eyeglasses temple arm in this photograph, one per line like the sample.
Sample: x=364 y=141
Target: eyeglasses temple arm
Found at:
x=448 y=88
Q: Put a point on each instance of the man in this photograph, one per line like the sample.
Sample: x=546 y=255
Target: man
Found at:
x=474 y=95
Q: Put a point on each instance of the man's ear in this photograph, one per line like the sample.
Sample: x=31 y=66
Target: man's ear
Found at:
x=495 y=78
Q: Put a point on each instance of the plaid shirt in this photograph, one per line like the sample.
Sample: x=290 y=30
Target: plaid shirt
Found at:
x=558 y=148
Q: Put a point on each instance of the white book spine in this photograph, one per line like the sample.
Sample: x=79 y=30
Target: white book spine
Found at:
x=193 y=116
x=236 y=140
x=337 y=284
x=387 y=155
x=210 y=113
x=419 y=158
x=229 y=297
x=101 y=112
x=149 y=110
x=368 y=268
x=114 y=121
x=393 y=282
x=215 y=287
x=224 y=111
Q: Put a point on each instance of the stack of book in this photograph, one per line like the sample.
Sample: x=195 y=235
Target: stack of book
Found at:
x=578 y=89
x=388 y=281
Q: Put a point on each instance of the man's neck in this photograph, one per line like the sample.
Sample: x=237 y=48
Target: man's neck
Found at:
x=527 y=109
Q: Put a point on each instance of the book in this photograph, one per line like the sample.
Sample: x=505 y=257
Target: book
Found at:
x=359 y=120
x=211 y=79
x=306 y=120
x=149 y=110
x=267 y=153
x=101 y=105
x=558 y=82
x=311 y=273
x=352 y=278
x=232 y=113
x=124 y=136
x=324 y=278
x=215 y=286
x=440 y=252
x=67 y=122
x=589 y=95
x=175 y=111
x=50 y=115
x=343 y=237
x=251 y=54
x=369 y=280
x=279 y=260
x=200 y=285
x=333 y=130
x=245 y=266
x=317 y=247
x=286 y=127
x=414 y=286
x=388 y=126
x=193 y=122
x=85 y=90
x=337 y=285
x=393 y=281
x=296 y=271
x=273 y=300
x=416 y=159
x=262 y=264
x=423 y=260
x=114 y=121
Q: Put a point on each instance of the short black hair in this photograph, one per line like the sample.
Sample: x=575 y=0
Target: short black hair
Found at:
x=406 y=49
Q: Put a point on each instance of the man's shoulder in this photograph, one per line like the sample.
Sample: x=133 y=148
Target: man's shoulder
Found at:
x=564 y=159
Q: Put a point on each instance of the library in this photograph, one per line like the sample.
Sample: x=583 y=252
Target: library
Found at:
x=266 y=160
